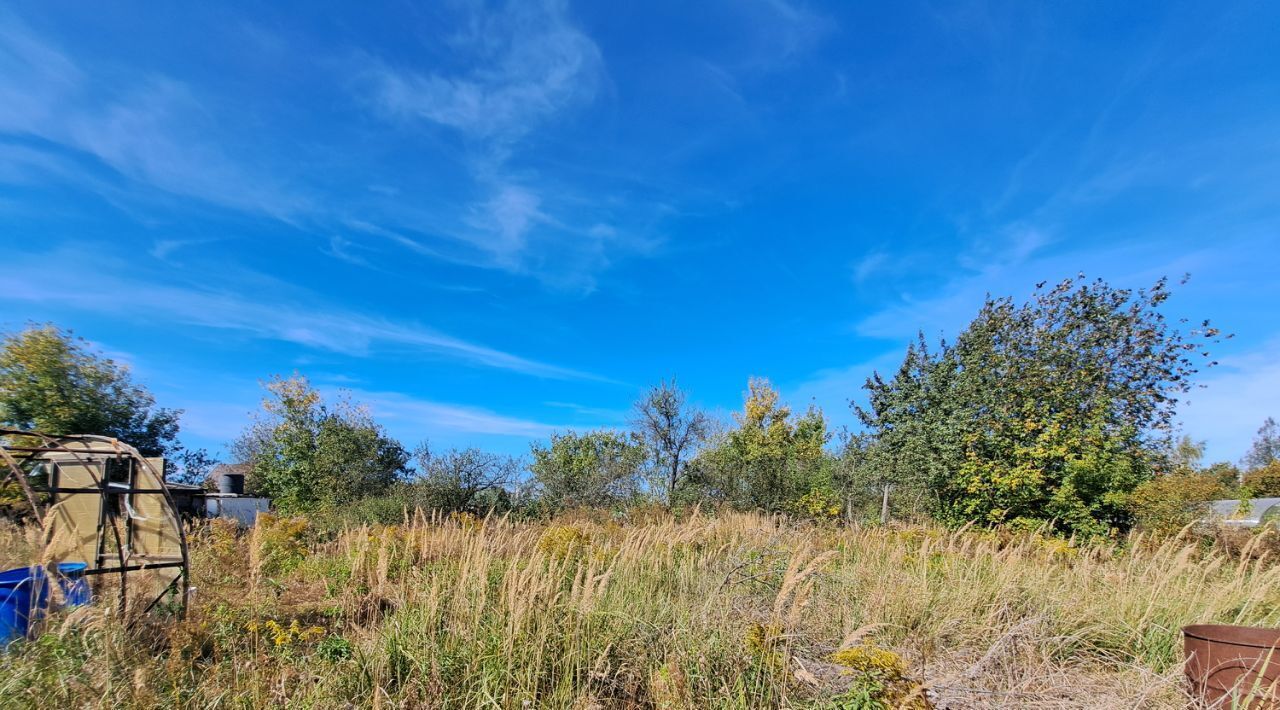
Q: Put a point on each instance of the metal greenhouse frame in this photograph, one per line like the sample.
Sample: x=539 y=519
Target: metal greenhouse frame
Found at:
x=101 y=502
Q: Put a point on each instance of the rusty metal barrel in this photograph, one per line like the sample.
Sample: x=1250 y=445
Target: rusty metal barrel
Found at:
x=1233 y=666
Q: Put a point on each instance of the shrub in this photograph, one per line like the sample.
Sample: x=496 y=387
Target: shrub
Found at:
x=820 y=503
x=1168 y=503
x=562 y=540
x=880 y=680
x=278 y=543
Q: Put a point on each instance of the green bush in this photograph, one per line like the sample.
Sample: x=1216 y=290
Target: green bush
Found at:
x=1168 y=503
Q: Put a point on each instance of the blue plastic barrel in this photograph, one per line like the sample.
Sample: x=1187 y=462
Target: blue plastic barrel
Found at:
x=24 y=596
x=75 y=588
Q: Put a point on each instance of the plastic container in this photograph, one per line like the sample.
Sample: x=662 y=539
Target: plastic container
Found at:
x=1233 y=666
x=24 y=596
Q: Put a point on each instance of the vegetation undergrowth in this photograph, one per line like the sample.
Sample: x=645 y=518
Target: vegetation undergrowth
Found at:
x=734 y=610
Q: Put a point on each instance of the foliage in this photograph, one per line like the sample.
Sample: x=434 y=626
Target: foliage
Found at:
x=671 y=431
x=597 y=468
x=1225 y=472
x=1264 y=482
x=1051 y=410
x=912 y=428
x=51 y=382
x=868 y=658
x=879 y=680
x=191 y=466
x=278 y=544
x=1170 y=502
x=463 y=480
x=304 y=453
x=562 y=540
x=1185 y=455
x=875 y=485
x=771 y=459
x=819 y=503
x=1265 y=448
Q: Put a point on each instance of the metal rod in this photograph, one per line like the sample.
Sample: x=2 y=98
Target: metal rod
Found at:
x=113 y=489
x=133 y=568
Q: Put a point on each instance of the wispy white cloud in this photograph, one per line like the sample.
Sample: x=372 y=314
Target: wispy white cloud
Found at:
x=404 y=413
x=163 y=249
x=154 y=130
x=109 y=287
x=524 y=66
x=785 y=28
x=506 y=219
x=600 y=414
x=342 y=248
x=528 y=62
x=869 y=265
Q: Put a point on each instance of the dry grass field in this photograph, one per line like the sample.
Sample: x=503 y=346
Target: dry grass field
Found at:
x=735 y=610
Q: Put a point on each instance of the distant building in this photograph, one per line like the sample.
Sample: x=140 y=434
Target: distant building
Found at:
x=226 y=500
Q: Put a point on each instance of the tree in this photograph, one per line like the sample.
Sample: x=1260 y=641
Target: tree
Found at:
x=191 y=466
x=771 y=459
x=671 y=431
x=1051 y=410
x=50 y=381
x=1170 y=502
x=304 y=453
x=911 y=442
x=597 y=468
x=1266 y=446
x=458 y=479
x=1264 y=482
x=1185 y=455
x=872 y=484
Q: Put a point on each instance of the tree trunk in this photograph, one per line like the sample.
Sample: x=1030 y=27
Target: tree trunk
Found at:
x=884 y=505
x=671 y=488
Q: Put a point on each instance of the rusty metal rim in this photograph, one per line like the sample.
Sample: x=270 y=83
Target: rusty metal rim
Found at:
x=1228 y=635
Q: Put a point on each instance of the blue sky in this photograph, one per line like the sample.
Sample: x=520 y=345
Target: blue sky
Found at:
x=492 y=221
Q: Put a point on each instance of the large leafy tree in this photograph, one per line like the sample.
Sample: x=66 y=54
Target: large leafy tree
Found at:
x=771 y=458
x=305 y=453
x=1050 y=410
x=595 y=468
x=51 y=381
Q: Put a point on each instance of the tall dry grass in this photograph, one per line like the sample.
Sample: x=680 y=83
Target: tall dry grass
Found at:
x=735 y=610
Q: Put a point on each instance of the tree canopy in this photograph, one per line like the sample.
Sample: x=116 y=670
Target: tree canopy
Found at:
x=51 y=381
x=1050 y=410
x=304 y=453
x=671 y=430
x=770 y=458
x=595 y=468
